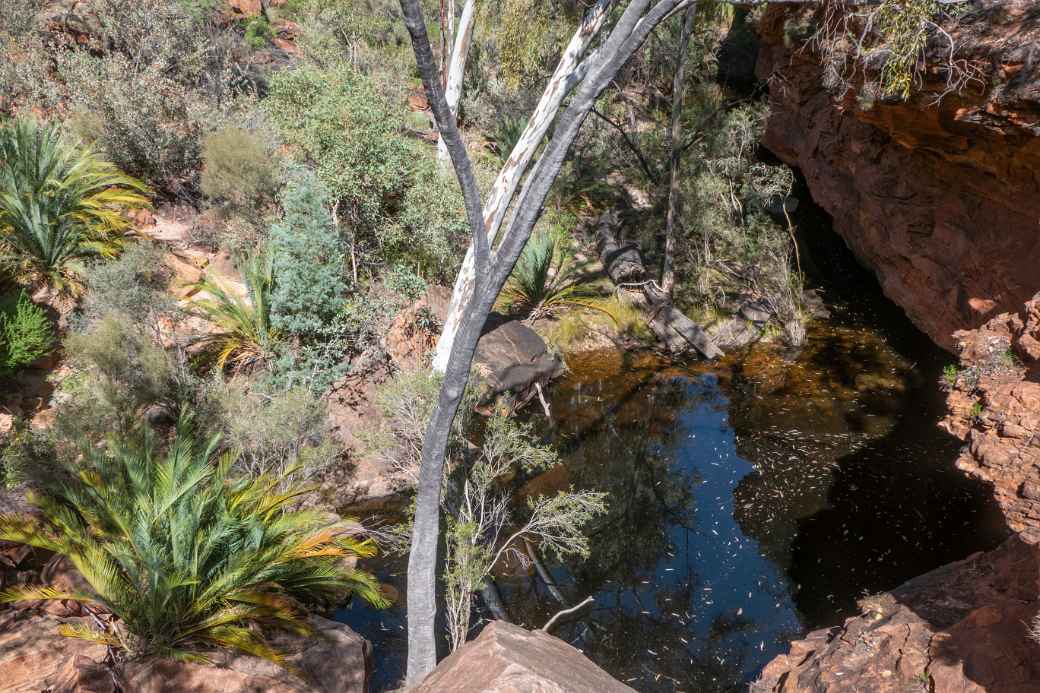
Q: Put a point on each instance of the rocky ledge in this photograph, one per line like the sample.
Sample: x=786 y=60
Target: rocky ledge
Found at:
x=962 y=628
x=994 y=407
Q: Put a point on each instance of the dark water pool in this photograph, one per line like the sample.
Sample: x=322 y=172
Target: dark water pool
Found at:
x=750 y=501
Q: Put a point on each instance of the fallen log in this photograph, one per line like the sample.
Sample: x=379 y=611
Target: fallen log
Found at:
x=623 y=263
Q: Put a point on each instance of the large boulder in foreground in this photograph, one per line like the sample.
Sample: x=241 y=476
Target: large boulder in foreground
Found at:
x=508 y=659
x=962 y=628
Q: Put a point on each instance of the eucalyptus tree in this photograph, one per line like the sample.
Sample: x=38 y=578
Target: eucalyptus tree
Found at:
x=585 y=82
x=522 y=186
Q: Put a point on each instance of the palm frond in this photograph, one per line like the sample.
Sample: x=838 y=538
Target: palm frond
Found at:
x=244 y=337
x=60 y=202
x=546 y=277
x=185 y=558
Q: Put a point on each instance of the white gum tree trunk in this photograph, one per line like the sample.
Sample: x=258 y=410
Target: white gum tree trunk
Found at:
x=569 y=72
x=457 y=67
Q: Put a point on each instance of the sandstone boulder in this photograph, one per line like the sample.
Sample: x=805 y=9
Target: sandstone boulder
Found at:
x=508 y=659
x=512 y=357
x=34 y=657
x=958 y=629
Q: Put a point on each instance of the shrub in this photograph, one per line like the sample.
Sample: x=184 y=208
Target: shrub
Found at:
x=405 y=283
x=132 y=287
x=184 y=556
x=244 y=337
x=258 y=32
x=732 y=246
x=26 y=333
x=307 y=262
x=337 y=120
x=238 y=168
x=59 y=202
x=284 y=434
x=118 y=372
x=430 y=231
x=507 y=134
x=547 y=277
x=153 y=79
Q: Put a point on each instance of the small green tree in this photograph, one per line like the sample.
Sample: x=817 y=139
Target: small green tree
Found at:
x=307 y=261
x=26 y=333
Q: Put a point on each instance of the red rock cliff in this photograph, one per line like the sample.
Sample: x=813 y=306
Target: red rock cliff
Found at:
x=941 y=201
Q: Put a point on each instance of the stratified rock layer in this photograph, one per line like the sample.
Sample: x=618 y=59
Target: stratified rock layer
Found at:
x=508 y=659
x=994 y=407
x=941 y=201
x=962 y=628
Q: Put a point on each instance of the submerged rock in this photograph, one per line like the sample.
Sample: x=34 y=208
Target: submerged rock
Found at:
x=508 y=659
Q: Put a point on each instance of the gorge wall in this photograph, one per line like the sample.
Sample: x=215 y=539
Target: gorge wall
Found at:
x=941 y=199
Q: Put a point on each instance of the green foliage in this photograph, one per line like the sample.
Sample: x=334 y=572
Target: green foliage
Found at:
x=59 y=202
x=391 y=202
x=406 y=283
x=950 y=374
x=26 y=333
x=307 y=261
x=528 y=35
x=280 y=433
x=258 y=32
x=976 y=411
x=154 y=77
x=903 y=29
x=186 y=557
x=238 y=168
x=119 y=371
x=732 y=247
x=244 y=337
x=316 y=364
x=507 y=134
x=547 y=277
x=131 y=287
x=430 y=230
x=348 y=130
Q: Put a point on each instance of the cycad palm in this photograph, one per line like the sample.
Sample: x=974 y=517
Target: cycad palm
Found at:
x=547 y=277
x=244 y=337
x=184 y=556
x=59 y=202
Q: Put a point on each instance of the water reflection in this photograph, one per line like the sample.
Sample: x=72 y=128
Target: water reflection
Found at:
x=749 y=501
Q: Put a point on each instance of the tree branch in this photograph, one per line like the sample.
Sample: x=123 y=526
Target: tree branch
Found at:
x=631 y=145
x=448 y=128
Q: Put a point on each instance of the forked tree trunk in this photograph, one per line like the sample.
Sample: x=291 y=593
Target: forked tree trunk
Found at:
x=457 y=66
x=569 y=72
x=675 y=146
x=632 y=28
